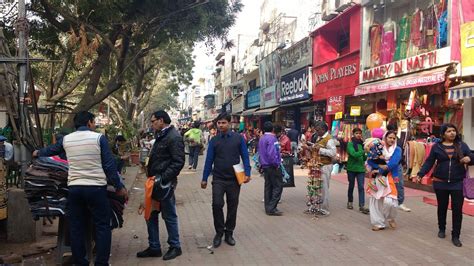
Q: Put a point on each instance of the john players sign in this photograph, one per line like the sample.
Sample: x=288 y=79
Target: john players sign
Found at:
x=294 y=86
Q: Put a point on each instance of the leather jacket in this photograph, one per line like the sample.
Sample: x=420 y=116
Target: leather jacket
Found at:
x=167 y=155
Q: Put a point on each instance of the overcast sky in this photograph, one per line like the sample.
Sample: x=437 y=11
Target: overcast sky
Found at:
x=248 y=22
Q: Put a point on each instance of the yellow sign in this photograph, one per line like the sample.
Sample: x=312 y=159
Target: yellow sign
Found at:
x=355 y=110
x=467 y=48
x=338 y=115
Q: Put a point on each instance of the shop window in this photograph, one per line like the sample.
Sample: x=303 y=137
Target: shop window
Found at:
x=395 y=30
x=343 y=43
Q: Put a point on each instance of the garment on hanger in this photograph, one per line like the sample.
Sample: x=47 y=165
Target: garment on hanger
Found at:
x=442 y=39
x=429 y=29
x=388 y=47
x=375 y=43
x=418 y=158
x=415 y=33
x=403 y=38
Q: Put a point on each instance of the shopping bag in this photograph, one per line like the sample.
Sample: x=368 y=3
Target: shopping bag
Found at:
x=468 y=186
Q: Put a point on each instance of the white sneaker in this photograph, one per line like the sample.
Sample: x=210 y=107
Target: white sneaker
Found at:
x=404 y=208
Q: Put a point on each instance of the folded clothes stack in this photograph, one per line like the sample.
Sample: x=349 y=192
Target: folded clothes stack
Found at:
x=46 y=187
x=46 y=191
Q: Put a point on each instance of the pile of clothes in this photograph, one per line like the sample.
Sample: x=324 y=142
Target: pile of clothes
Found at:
x=46 y=190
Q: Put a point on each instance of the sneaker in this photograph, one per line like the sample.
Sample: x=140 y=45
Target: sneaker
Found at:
x=404 y=208
x=324 y=212
x=364 y=210
x=349 y=206
x=149 y=253
x=441 y=234
x=190 y=167
x=456 y=242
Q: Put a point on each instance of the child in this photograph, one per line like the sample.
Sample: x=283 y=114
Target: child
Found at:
x=375 y=156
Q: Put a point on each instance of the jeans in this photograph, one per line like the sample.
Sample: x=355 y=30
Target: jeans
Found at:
x=194 y=155
x=457 y=200
x=84 y=201
x=168 y=213
x=352 y=176
x=400 y=186
x=232 y=191
x=120 y=165
x=273 y=188
x=294 y=150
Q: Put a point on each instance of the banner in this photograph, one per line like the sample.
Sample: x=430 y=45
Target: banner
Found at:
x=299 y=55
x=467 y=48
x=295 y=86
x=269 y=70
x=335 y=104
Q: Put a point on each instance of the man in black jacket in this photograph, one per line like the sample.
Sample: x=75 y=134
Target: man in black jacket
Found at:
x=166 y=160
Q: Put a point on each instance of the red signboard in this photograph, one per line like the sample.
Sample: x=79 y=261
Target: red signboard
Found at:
x=335 y=104
x=336 y=78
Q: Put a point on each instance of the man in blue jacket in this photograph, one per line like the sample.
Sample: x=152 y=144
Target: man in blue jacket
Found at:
x=225 y=151
x=270 y=160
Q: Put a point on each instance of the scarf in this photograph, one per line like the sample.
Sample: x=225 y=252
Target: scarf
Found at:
x=356 y=142
x=388 y=152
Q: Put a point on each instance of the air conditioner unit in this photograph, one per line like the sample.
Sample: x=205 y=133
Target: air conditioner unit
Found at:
x=328 y=10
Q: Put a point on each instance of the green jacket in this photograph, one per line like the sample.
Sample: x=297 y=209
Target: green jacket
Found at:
x=356 y=161
x=193 y=136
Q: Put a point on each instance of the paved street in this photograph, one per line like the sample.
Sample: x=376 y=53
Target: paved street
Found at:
x=295 y=238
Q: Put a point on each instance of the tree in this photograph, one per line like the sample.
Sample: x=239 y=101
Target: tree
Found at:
x=101 y=43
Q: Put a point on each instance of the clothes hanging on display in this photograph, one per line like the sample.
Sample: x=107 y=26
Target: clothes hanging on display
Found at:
x=403 y=38
x=375 y=43
x=416 y=29
x=442 y=39
x=429 y=29
x=388 y=43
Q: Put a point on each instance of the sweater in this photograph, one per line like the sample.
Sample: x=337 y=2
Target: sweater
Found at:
x=269 y=156
x=356 y=160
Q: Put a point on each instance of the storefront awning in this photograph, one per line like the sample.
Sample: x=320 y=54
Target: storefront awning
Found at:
x=266 y=111
x=249 y=112
x=414 y=80
x=463 y=91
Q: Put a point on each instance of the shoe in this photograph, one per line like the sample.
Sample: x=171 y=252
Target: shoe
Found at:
x=275 y=213
x=404 y=208
x=441 y=234
x=172 y=253
x=364 y=210
x=190 y=167
x=456 y=242
x=392 y=224
x=217 y=241
x=376 y=228
x=349 y=206
x=149 y=253
x=324 y=212
x=229 y=239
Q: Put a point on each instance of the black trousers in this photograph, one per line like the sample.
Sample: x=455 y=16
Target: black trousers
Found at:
x=273 y=188
x=231 y=189
x=457 y=200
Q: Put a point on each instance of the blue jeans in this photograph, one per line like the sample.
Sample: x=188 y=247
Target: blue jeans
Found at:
x=352 y=176
x=400 y=187
x=168 y=213
x=84 y=201
x=194 y=155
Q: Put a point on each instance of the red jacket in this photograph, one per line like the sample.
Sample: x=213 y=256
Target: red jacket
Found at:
x=285 y=144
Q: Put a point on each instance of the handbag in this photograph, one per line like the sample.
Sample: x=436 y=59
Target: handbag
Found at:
x=161 y=191
x=468 y=186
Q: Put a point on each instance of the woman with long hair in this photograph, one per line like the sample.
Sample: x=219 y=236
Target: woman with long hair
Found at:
x=451 y=156
x=383 y=201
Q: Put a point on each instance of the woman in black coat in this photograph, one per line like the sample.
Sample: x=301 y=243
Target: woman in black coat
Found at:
x=451 y=157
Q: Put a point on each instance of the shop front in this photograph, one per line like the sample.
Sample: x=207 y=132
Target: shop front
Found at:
x=268 y=106
x=407 y=67
x=237 y=109
x=336 y=60
x=252 y=103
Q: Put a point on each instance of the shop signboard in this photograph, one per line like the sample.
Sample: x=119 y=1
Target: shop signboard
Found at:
x=268 y=97
x=237 y=105
x=467 y=48
x=412 y=64
x=355 y=110
x=335 y=104
x=297 y=56
x=295 y=86
x=253 y=98
x=269 y=70
x=338 y=115
x=338 y=77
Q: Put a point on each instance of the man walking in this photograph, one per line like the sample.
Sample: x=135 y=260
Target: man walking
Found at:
x=293 y=135
x=91 y=164
x=166 y=160
x=194 y=139
x=224 y=151
x=325 y=146
x=270 y=160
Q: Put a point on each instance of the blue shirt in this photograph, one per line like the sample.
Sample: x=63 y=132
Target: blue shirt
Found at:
x=244 y=154
x=108 y=161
